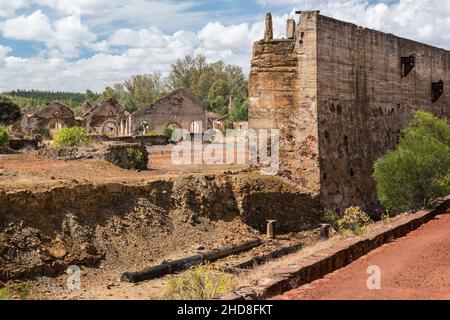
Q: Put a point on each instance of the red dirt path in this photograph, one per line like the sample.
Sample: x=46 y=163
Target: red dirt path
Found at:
x=414 y=267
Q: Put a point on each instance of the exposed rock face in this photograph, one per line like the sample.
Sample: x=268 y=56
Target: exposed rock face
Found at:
x=44 y=231
x=336 y=93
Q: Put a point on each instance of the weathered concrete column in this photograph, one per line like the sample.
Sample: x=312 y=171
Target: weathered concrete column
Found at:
x=290 y=29
x=271 y=229
x=268 y=34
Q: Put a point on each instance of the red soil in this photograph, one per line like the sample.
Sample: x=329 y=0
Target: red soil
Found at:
x=414 y=267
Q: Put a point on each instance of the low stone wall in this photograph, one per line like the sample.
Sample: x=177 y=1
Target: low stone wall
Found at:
x=128 y=156
x=146 y=140
x=20 y=144
x=329 y=260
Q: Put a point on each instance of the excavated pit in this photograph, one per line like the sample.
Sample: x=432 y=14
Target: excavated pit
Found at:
x=129 y=227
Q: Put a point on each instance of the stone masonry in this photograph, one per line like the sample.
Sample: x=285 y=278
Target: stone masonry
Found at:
x=339 y=95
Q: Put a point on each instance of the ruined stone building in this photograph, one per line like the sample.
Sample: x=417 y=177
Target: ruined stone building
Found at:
x=108 y=118
x=179 y=108
x=52 y=117
x=24 y=124
x=340 y=94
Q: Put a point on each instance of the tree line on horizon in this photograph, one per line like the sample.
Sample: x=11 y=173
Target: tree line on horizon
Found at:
x=222 y=87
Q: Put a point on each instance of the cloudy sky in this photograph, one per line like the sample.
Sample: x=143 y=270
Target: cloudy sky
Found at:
x=79 y=44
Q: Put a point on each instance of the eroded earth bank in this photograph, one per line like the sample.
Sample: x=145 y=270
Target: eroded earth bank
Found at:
x=126 y=224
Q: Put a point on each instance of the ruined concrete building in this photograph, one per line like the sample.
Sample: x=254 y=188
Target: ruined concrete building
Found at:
x=52 y=117
x=179 y=108
x=108 y=118
x=340 y=94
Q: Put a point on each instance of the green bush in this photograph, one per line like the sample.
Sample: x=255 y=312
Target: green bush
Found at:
x=418 y=171
x=136 y=159
x=4 y=136
x=200 y=283
x=71 y=137
x=353 y=221
x=4 y=293
x=168 y=132
x=9 y=111
x=331 y=218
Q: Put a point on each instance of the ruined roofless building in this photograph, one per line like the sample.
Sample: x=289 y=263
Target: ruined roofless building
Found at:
x=179 y=108
x=340 y=94
x=108 y=118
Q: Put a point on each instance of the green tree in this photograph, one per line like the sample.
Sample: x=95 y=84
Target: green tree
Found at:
x=145 y=89
x=214 y=83
x=4 y=136
x=418 y=171
x=239 y=111
x=9 y=111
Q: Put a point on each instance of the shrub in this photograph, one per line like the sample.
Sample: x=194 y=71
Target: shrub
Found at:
x=136 y=159
x=168 y=132
x=9 y=111
x=23 y=290
x=331 y=218
x=200 y=283
x=353 y=221
x=4 y=136
x=418 y=171
x=4 y=293
x=71 y=137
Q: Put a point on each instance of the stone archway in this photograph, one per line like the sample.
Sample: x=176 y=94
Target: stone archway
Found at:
x=110 y=129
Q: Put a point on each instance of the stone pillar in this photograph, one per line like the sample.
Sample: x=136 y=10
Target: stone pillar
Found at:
x=130 y=126
x=290 y=29
x=268 y=34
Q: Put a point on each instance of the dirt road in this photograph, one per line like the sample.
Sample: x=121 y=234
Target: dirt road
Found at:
x=414 y=267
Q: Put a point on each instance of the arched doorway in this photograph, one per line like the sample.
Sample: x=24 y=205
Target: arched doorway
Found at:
x=174 y=132
x=54 y=126
x=110 y=129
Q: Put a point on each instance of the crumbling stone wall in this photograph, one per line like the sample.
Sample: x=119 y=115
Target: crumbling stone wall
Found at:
x=108 y=118
x=337 y=94
x=178 y=108
x=283 y=95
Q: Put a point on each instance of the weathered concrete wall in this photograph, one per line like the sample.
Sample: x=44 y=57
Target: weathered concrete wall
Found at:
x=363 y=103
x=337 y=94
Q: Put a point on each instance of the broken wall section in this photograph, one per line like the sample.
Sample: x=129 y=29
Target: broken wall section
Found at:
x=282 y=95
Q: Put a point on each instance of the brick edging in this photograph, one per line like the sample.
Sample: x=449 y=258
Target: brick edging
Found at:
x=331 y=259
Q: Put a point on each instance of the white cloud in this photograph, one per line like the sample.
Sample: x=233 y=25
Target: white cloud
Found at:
x=65 y=34
x=8 y=7
x=77 y=7
x=4 y=53
x=35 y=27
x=141 y=47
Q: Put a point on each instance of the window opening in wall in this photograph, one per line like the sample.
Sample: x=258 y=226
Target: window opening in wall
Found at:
x=437 y=89
x=408 y=64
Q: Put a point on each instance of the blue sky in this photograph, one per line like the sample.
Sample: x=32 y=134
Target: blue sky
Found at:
x=79 y=44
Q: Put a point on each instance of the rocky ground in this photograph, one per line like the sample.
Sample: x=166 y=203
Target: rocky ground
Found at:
x=109 y=220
